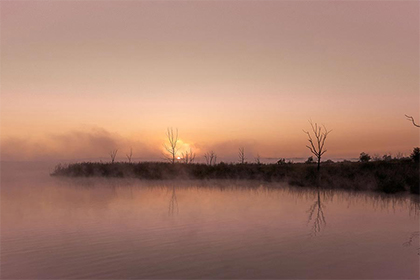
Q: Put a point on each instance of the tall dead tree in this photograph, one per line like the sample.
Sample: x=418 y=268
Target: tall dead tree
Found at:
x=210 y=157
x=129 y=155
x=171 y=147
x=410 y=118
x=241 y=155
x=113 y=154
x=188 y=157
x=317 y=141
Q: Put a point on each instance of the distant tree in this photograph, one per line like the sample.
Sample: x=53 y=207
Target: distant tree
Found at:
x=129 y=155
x=241 y=155
x=364 y=157
x=415 y=155
x=188 y=157
x=171 y=147
x=310 y=160
x=258 y=159
x=210 y=157
x=410 y=118
x=317 y=141
x=113 y=154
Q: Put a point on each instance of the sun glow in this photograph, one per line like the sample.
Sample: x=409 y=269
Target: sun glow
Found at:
x=182 y=148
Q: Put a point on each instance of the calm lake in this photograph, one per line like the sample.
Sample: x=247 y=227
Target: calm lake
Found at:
x=126 y=228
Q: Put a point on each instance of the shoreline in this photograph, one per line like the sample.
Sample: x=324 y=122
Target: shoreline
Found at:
x=393 y=176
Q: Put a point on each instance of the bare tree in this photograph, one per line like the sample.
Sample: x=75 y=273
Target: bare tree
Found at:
x=113 y=154
x=317 y=141
x=188 y=157
x=410 y=118
x=241 y=155
x=210 y=157
x=172 y=147
x=130 y=155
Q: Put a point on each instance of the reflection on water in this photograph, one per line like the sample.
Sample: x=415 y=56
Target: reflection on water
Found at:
x=173 y=203
x=316 y=215
x=117 y=228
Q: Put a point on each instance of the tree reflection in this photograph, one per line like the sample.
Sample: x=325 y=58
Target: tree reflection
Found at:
x=409 y=242
x=414 y=207
x=173 y=203
x=316 y=215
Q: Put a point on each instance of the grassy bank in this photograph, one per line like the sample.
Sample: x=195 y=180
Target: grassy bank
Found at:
x=384 y=176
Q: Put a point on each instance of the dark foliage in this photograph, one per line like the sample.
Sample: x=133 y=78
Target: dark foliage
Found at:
x=415 y=155
x=389 y=176
x=364 y=157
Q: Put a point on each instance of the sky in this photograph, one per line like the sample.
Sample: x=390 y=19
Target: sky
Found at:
x=81 y=78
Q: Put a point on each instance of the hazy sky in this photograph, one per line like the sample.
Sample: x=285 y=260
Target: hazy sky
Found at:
x=79 y=78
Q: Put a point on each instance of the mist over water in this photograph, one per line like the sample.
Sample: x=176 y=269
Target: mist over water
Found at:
x=127 y=228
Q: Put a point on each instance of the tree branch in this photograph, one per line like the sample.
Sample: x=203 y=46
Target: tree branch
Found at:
x=410 y=118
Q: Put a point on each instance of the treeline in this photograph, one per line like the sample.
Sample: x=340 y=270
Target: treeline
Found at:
x=386 y=175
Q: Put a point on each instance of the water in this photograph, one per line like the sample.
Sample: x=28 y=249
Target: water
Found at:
x=54 y=228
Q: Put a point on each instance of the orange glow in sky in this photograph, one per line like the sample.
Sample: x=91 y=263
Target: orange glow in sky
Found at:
x=79 y=78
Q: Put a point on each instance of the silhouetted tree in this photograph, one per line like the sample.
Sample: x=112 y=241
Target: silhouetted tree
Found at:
x=241 y=155
x=188 y=157
x=129 y=155
x=410 y=118
x=317 y=142
x=172 y=147
x=113 y=154
x=415 y=155
x=364 y=157
x=210 y=157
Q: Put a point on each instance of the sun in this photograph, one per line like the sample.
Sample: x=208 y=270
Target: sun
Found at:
x=178 y=157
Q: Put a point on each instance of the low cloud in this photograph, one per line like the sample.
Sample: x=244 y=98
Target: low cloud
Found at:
x=96 y=144
x=93 y=144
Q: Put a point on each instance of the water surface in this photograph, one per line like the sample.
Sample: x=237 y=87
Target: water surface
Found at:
x=55 y=228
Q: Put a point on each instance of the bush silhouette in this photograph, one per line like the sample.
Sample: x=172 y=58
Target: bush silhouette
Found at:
x=364 y=157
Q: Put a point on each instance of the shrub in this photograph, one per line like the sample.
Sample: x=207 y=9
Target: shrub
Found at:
x=310 y=160
x=364 y=157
